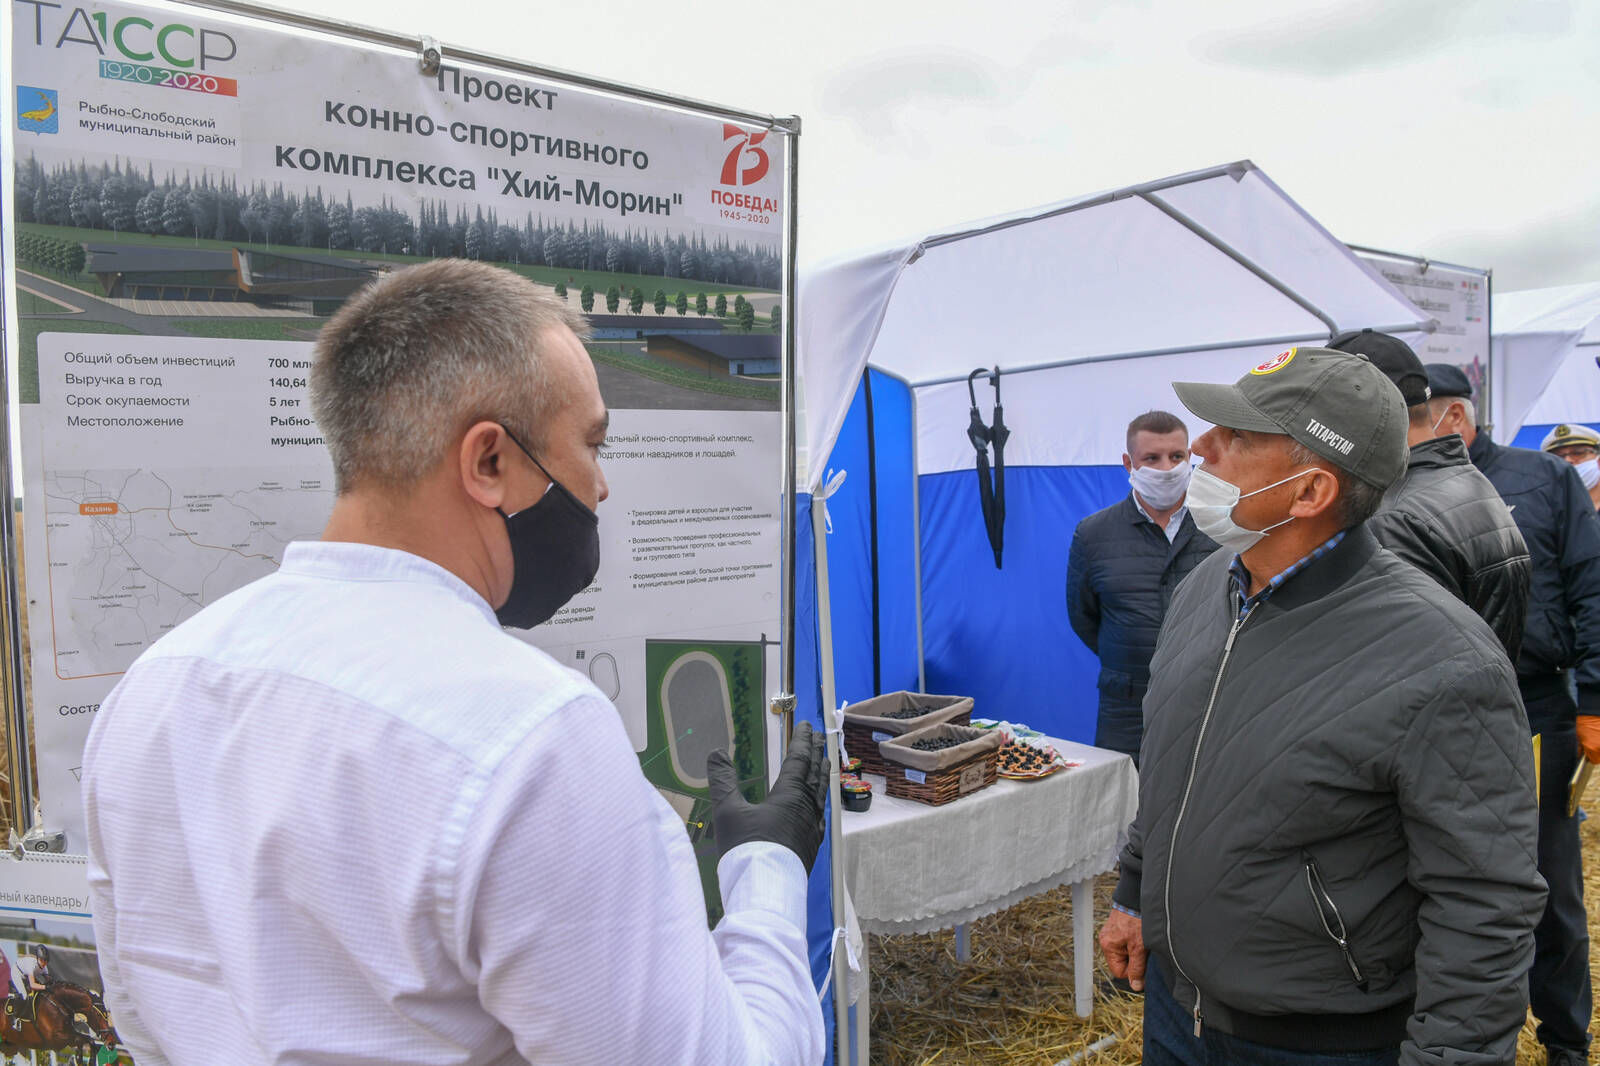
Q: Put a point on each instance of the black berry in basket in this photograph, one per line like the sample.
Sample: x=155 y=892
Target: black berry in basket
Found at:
x=935 y=743
x=907 y=712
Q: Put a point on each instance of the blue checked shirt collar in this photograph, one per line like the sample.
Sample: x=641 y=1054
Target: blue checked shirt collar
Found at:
x=1241 y=576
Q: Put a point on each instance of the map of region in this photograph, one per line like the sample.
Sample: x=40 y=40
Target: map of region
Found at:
x=132 y=553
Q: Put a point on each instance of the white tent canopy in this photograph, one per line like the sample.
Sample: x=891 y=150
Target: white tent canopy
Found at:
x=1545 y=343
x=1194 y=275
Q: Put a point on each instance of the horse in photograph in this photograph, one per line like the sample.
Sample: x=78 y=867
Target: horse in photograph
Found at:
x=66 y=1017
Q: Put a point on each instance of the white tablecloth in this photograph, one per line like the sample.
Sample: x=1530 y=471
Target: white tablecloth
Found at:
x=912 y=868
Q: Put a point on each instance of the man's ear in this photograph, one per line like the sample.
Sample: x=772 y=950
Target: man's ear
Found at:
x=1316 y=494
x=1127 y=463
x=482 y=458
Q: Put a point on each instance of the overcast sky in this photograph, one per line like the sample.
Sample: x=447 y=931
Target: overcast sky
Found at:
x=1462 y=130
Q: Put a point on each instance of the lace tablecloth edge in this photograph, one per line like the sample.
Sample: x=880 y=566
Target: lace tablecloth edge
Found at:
x=1093 y=866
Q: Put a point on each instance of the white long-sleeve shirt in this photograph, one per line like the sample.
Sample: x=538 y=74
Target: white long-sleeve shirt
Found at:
x=340 y=817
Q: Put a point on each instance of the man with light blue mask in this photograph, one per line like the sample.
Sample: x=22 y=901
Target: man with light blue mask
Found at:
x=1579 y=445
x=1334 y=857
x=1123 y=566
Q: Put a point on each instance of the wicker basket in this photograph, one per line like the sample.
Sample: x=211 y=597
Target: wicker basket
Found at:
x=865 y=727
x=937 y=777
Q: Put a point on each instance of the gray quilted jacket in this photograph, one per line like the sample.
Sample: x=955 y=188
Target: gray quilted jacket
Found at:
x=1444 y=518
x=1336 y=812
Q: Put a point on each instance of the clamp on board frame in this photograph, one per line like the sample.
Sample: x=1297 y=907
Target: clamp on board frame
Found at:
x=429 y=56
x=782 y=704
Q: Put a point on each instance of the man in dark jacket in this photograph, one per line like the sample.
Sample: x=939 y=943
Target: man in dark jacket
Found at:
x=1552 y=508
x=1122 y=567
x=1335 y=847
x=1443 y=516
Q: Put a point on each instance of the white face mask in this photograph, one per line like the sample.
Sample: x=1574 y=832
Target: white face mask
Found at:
x=1589 y=470
x=1211 y=504
x=1160 y=488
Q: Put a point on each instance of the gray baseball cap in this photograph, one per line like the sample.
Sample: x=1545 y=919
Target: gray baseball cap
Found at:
x=1340 y=406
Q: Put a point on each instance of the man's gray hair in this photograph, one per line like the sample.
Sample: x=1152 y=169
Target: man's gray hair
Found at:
x=414 y=359
x=1358 y=500
x=1439 y=404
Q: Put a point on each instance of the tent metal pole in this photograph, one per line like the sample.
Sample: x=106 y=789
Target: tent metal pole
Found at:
x=839 y=960
x=418 y=44
x=1235 y=170
x=1238 y=257
x=916 y=542
x=1488 y=356
x=19 y=769
x=874 y=573
x=916 y=520
x=790 y=298
x=1114 y=357
x=1403 y=257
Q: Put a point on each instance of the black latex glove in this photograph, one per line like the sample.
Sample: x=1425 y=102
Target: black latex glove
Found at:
x=791 y=814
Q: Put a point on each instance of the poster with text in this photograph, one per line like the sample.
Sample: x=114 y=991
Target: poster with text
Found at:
x=192 y=194
x=1458 y=297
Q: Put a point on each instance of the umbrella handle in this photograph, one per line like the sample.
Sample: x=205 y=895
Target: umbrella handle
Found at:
x=972 y=394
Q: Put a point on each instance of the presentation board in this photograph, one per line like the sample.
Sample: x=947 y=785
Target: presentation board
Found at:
x=1457 y=297
x=191 y=193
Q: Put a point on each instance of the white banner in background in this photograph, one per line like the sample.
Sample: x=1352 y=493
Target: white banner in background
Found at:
x=1458 y=298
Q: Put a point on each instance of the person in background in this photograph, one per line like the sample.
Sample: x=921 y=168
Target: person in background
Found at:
x=1579 y=445
x=1562 y=635
x=341 y=815
x=1122 y=567
x=1443 y=516
x=1333 y=860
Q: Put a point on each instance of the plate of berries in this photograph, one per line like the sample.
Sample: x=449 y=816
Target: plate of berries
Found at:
x=1024 y=762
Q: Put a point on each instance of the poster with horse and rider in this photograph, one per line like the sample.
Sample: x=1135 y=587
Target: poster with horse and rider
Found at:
x=53 y=1011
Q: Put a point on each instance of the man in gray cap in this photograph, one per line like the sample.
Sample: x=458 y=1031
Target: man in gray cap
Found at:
x=1442 y=516
x=1334 y=853
x=1560 y=645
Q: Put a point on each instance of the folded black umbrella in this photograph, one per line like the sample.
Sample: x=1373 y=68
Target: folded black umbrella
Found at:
x=991 y=486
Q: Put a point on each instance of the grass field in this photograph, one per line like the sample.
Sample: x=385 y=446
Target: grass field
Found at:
x=29 y=304
x=668 y=374
x=575 y=279
x=82 y=282
x=28 y=355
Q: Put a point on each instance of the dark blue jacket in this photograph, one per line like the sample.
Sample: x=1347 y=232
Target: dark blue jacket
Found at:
x=1120 y=575
x=1557 y=519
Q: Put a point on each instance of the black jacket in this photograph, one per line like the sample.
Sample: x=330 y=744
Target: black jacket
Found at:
x=1121 y=571
x=1557 y=519
x=1445 y=518
x=1354 y=753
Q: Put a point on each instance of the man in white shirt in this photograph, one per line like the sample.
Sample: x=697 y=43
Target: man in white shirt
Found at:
x=341 y=816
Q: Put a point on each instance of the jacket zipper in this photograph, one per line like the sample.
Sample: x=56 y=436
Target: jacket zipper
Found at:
x=1336 y=930
x=1194 y=763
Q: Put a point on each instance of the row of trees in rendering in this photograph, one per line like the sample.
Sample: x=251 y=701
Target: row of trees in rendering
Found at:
x=121 y=199
x=743 y=312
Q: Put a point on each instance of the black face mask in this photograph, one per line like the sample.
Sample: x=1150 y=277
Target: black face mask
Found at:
x=555 y=553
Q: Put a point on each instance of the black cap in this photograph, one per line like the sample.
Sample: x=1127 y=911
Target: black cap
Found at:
x=1447 y=379
x=1391 y=355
